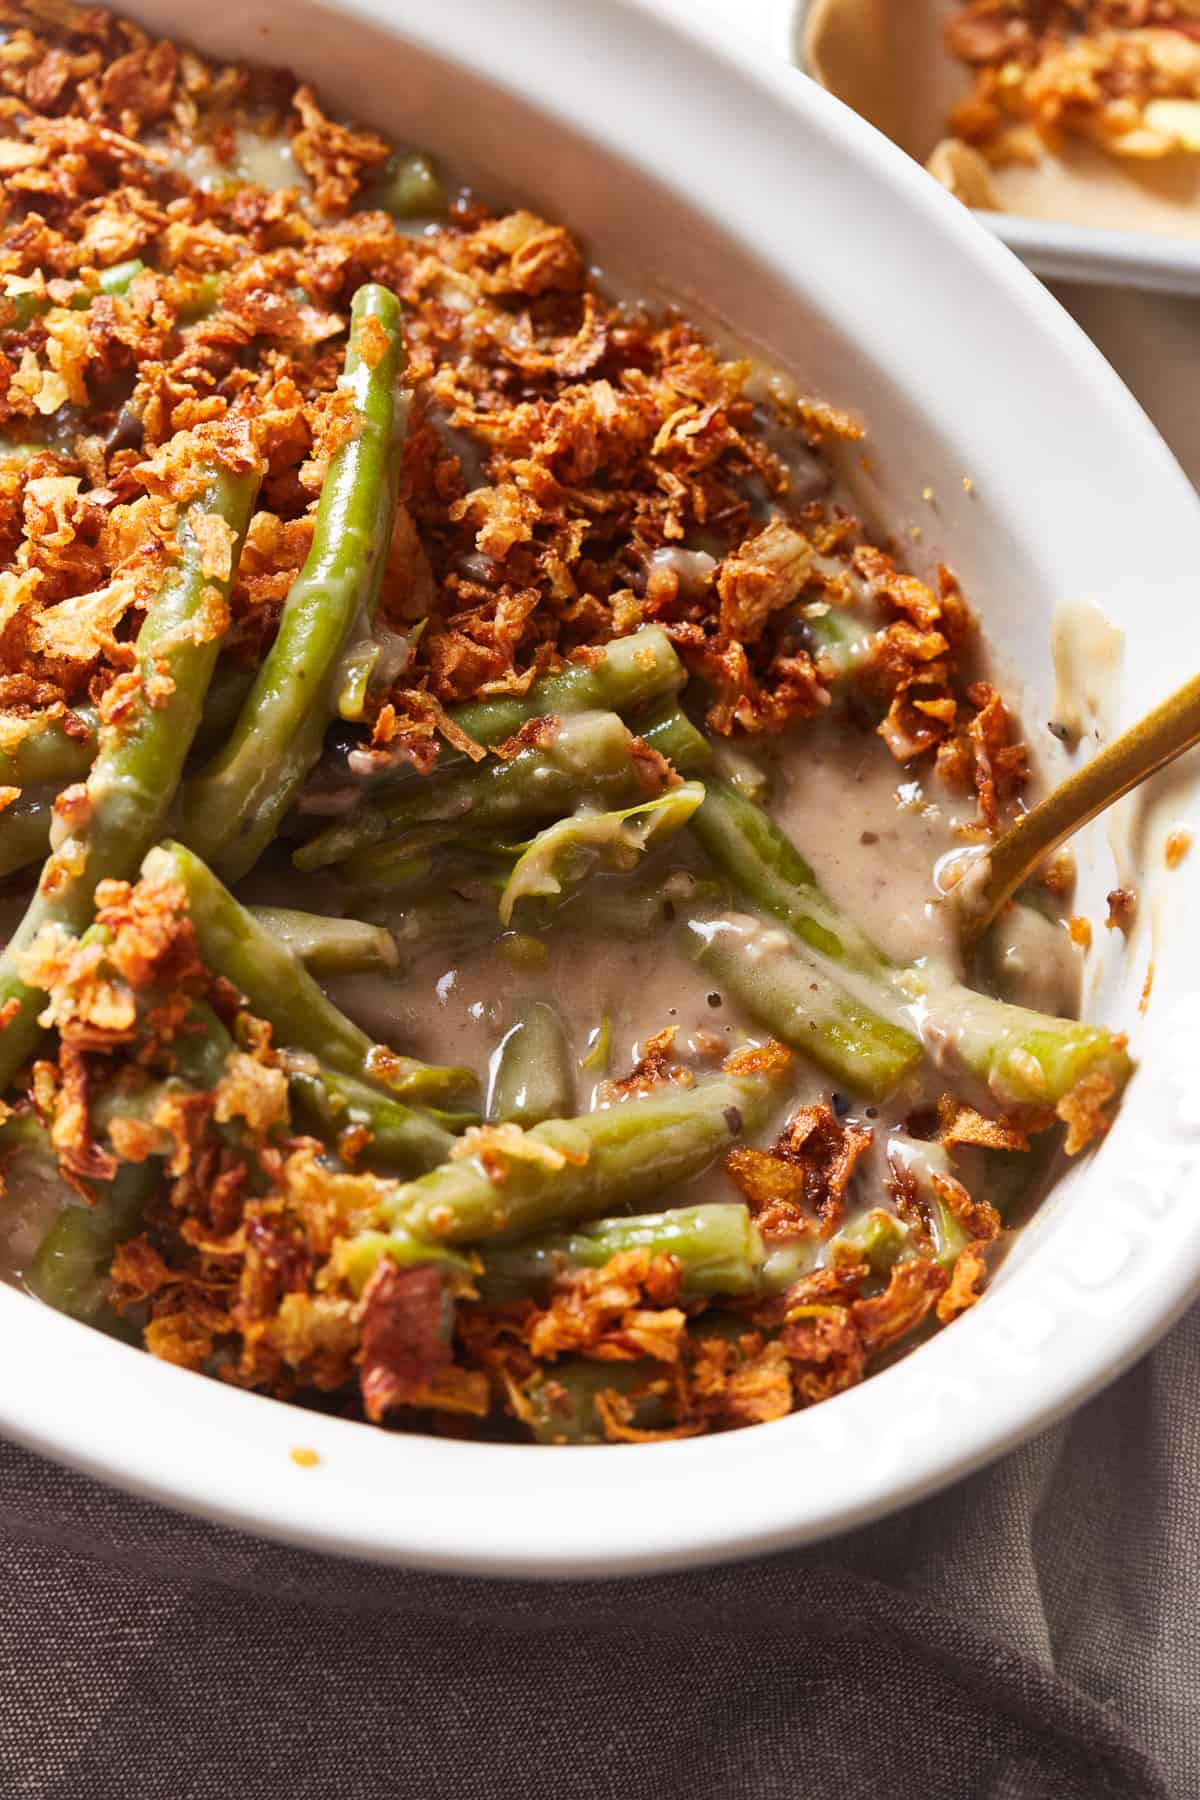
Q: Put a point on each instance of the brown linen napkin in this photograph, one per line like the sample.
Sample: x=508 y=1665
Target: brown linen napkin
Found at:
x=1030 y=1635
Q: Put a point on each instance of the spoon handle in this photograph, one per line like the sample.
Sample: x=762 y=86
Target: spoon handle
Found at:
x=1157 y=739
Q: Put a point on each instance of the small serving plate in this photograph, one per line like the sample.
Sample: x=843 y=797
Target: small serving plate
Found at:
x=1081 y=216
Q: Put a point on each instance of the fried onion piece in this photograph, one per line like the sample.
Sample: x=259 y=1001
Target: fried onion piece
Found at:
x=966 y=1283
x=800 y=1184
x=621 y=1312
x=655 y=1065
x=1082 y=1110
x=913 y=1288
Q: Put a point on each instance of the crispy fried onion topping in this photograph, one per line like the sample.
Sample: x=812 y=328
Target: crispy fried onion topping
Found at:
x=799 y=1185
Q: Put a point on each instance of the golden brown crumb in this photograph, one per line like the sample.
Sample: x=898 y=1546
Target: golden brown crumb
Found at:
x=1122 y=909
x=966 y=1283
x=656 y=1065
x=800 y=1184
x=959 y=1123
x=1179 y=842
x=1079 y=930
x=303 y=1457
x=1082 y=1110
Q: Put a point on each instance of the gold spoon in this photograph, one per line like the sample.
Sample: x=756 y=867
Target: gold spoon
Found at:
x=1156 y=740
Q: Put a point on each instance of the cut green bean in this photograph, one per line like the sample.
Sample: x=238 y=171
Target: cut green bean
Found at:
x=591 y=757
x=783 y=988
x=232 y=810
x=401 y=1139
x=140 y=758
x=53 y=752
x=568 y=1170
x=20 y=310
x=117 y=279
x=1024 y=1057
x=560 y=1405
x=328 y=946
x=840 y=640
x=629 y=672
x=408 y=188
x=717 y=1247
x=57 y=751
x=566 y=853
x=50 y=758
x=70 y=1269
x=750 y=850
x=25 y=832
x=279 y=989
x=533 y=1077
x=667 y=729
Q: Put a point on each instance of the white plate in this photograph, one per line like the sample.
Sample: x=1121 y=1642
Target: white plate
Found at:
x=724 y=176
x=1164 y=264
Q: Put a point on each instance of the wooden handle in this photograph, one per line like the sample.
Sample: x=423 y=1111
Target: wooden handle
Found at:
x=1165 y=733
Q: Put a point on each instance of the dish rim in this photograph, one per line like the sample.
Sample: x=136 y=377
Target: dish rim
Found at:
x=910 y=1429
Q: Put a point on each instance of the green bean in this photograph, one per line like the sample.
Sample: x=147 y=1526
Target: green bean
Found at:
x=25 y=832
x=402 y=1139
x=750 y=850
x=279 y=989
x=227 y=691
x=878 y=1238
x=717 y=1247
x=328 y=946
x=118 y=1100
x=20 y=310
x=590 y=757
x=788 y=991
x=70 y=1268
x=51 y=757
x=461 y=915
x=232 y=810
x=559 y=1403
x=1024 y=1057
x=58 y=750
x=408 y=188
x=533 y=1077
x=117 y=279
x=565 y=853
x=920 y=1161
x=667 y=729
x=840 y=639
x=628 y=673
x=355 y=1259
x=53 y=752
x=140 y=758
x=201 y=298
x=624 y=906
x=448 y=923
x=568 y=1170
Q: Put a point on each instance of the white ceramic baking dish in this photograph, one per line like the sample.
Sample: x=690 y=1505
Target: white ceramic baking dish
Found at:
x=1059 y=251
x=698 y=168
